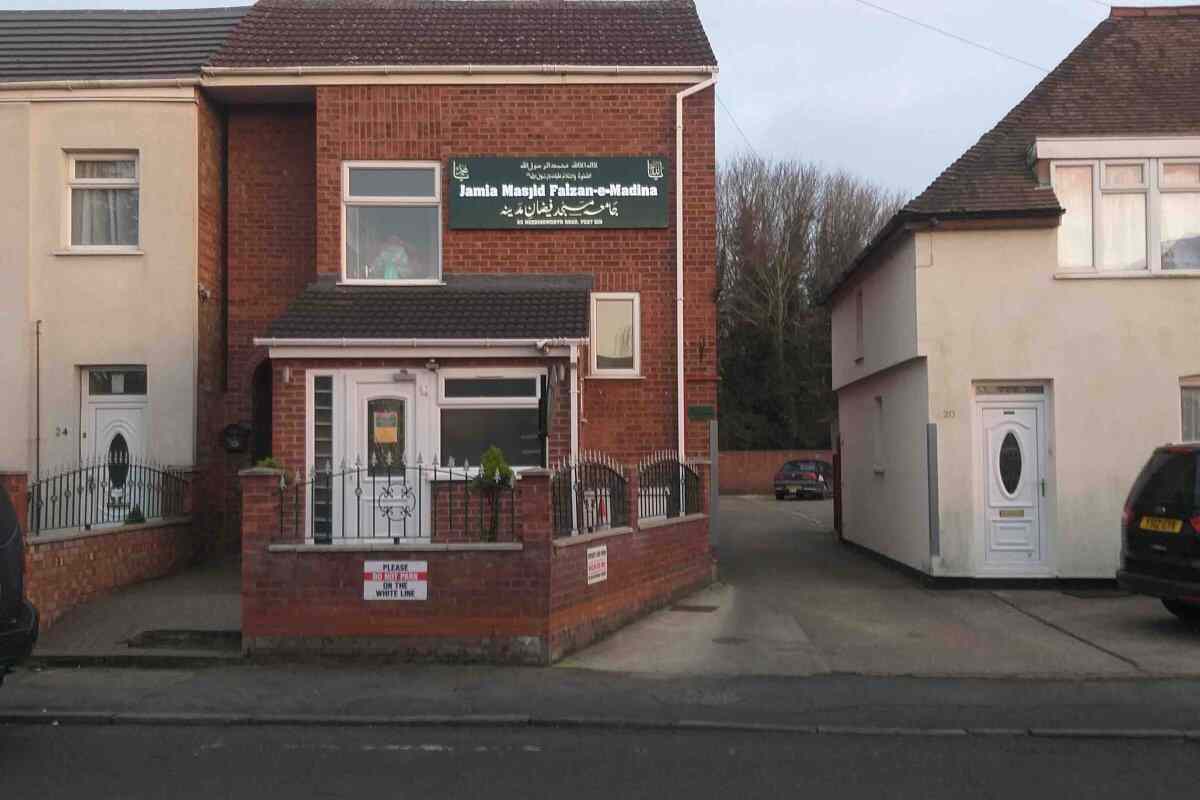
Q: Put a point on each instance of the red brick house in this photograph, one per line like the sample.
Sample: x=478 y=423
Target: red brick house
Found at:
x=450 y=226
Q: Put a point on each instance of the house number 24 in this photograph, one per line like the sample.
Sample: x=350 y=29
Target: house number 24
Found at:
x=949 y=413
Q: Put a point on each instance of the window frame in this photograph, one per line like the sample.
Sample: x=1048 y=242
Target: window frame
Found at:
x=487 y=403
x=596 y=371
x=1187 y=383
x=397 y=201
x=72 y=183
x=1153 y=190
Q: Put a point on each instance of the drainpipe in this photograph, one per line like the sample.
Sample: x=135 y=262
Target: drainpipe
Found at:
x=574 y=373
x=574 y=378
x=37 y=402
x=679 y=383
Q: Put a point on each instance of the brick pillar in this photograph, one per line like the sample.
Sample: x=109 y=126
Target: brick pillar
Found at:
x=631 y=494
x=17 y=486
x=260 y=527
x=535 y=508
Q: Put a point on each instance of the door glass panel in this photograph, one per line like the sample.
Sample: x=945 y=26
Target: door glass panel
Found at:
x=1010 y=463
x=118 y=461
x=385 y=436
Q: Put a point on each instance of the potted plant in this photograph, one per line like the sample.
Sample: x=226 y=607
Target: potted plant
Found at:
x=494 y=476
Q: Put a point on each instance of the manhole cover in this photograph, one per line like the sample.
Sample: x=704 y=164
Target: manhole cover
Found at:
x=730 y=640
x=694 y=608
x=187 y=640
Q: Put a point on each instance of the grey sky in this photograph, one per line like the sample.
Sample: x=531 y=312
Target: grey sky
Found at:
x=835 y=82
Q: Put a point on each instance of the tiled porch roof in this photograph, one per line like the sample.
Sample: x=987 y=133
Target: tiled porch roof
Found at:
x=466 y=307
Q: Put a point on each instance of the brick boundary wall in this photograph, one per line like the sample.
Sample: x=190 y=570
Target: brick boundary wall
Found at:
x=65 y=569
x=528 y=604
x=649 y=566
x=753 y=471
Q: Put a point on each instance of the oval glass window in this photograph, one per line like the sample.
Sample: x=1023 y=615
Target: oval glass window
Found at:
x=118 y=461
x=1010 y=463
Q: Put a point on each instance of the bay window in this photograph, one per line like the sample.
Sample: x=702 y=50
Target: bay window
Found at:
x=1128 y=215
x=391 y=222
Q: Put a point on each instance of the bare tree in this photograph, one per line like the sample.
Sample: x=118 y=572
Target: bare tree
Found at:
x=785 y=230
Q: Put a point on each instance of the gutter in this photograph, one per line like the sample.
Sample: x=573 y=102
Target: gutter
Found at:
x=148 y=83
x=466 y=69
x=540 y=344
x=679 y=380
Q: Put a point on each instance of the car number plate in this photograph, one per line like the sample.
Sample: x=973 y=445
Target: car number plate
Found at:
x=1161 y=525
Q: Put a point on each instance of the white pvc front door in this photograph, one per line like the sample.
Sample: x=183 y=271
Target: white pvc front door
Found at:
x=389 y=497
x=113 y=442
x=1013 y=439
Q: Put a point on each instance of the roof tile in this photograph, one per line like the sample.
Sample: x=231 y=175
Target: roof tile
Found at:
x=288 y=33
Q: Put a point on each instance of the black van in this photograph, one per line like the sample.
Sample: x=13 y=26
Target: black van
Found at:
x=18 y=618
x=1160 y=528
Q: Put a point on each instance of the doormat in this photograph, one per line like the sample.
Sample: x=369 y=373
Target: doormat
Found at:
x=187 y=640
x=1096 y=594
x=694 y=608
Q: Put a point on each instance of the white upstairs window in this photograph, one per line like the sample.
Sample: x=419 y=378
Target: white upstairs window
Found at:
x=1128 y=215
x=103 y=197
x=616 y=335
x=391 y=222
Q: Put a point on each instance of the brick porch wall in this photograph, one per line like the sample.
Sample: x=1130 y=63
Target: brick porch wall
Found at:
x=530 y=603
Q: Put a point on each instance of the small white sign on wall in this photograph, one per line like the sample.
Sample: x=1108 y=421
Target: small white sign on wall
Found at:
x=395 y=580
x=597 y=564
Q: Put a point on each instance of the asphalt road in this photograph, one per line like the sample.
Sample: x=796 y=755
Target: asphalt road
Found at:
x=264 y=763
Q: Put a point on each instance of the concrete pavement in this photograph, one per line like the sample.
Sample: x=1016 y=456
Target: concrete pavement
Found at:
x=794 y=602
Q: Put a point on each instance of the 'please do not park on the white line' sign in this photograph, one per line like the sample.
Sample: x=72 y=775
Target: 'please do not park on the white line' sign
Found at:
x=395 y=580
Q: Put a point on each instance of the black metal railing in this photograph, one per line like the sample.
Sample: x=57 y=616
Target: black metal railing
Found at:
x=667 y=487
x=118 y=490
x=590 y=494
x=401 y=502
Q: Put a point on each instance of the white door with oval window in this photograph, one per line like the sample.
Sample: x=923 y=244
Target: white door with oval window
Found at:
x=113 y=440
x=1014 y=457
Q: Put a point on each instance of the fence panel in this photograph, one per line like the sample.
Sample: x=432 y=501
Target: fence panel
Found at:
x=590 y=494
x=386 y=503
x=116 y=490
x=666 y=487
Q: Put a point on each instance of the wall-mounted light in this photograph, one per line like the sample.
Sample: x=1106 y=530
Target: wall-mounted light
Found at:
x=287 y=374
x=431 y=365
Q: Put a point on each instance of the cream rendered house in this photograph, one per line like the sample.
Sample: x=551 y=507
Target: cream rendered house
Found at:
x=1008 y=350
x=102 y=281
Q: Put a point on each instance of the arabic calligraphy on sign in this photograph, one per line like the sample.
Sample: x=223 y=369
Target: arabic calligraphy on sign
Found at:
x=614 y=192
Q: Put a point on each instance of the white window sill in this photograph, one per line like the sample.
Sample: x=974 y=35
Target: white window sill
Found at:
x=1130 y=275
x=99 y=251
x=398 y=282
x=603 y=376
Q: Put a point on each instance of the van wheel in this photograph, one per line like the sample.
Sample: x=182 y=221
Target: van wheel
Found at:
x=1185 y=611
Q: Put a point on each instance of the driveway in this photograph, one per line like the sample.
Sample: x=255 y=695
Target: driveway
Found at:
x=793 y=601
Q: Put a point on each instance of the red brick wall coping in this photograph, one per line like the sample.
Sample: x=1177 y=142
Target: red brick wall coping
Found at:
x=665 y=522
x=440 y=547
x=33 y=541
x=585 y=538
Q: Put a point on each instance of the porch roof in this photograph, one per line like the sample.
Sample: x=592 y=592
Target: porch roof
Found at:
x=464 y=307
